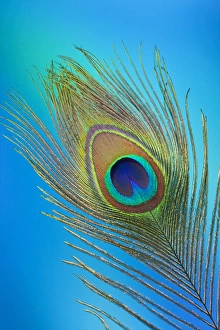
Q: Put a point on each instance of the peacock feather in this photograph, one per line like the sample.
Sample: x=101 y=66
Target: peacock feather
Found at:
x=125 y=168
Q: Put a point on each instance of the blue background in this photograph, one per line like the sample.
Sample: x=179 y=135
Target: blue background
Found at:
x=38 y=291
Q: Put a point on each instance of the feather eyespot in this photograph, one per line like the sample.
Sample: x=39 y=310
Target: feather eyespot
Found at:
x=124 y=173
x=131 y=180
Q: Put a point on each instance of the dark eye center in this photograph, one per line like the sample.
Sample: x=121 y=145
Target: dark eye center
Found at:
x=124 y=172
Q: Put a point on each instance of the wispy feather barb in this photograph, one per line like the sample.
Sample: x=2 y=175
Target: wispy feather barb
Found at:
x=122 y=163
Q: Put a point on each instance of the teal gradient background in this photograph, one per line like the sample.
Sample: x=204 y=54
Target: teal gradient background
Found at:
x=38 y=291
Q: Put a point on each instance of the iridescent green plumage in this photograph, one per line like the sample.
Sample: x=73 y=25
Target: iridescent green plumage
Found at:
x=123 y=162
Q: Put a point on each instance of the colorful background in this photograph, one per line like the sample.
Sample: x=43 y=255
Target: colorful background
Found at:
x=38 y=291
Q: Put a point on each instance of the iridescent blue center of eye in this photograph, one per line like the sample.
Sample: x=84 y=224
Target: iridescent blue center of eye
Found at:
x=131 y=180
x=125 y=172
